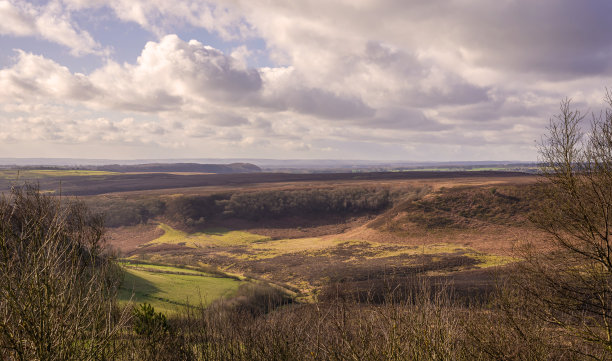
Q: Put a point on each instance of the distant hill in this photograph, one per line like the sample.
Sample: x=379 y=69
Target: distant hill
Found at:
x=182 y=167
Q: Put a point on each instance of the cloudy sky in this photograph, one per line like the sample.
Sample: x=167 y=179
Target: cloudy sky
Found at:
x=433 y=80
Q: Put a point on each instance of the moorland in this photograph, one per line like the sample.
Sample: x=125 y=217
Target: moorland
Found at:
x=377 y=265
x=310 y=235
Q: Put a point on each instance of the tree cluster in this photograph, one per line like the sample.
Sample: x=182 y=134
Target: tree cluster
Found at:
x=309 y=202
x=255 y=205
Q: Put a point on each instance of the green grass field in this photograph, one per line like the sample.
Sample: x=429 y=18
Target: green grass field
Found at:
x=47 y=173
x=168 y=288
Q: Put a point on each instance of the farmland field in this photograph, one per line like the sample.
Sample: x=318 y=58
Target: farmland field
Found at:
x=81 y=183
x=49 y=173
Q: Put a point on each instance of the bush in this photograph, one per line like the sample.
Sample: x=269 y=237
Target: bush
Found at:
x=152 y=327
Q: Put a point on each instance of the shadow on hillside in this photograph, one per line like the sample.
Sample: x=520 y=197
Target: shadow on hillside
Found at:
x=135 y=289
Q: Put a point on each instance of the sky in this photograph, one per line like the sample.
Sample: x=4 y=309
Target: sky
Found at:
x=411 y=80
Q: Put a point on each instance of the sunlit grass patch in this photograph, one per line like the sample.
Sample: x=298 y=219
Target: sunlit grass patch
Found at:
x=168 y=291
x=307 y=246
x=383 y=250
x=210 y=238
x=253 y=247
x=171 y=235
x=294 y=245
x=491 y=260
x=161 y=268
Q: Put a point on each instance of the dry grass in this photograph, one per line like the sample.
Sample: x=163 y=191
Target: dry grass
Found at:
x=310 y=263
x=128 y=239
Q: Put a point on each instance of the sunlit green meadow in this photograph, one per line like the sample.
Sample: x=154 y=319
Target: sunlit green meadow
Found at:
x=169 y=288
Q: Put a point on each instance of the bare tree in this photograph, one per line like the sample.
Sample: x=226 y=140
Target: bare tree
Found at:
x=568 y=283
x=57 y=286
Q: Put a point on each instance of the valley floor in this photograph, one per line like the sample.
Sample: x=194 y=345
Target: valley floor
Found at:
x=461 y=231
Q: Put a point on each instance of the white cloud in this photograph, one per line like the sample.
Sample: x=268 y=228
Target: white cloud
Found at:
x=462 y=75
x=50 y=22
x=182 y=77
x=286 y=89
x=163 y=17
x=34 y=77
x=14 y=21
x=171 y=74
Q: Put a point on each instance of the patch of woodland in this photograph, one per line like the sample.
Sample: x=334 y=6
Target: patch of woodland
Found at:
x=309 y=206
